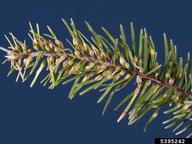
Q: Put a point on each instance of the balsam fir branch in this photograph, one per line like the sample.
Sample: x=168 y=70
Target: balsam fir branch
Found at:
x=109 y=64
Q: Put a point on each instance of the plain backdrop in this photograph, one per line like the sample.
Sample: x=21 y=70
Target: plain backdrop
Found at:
x=40 y=116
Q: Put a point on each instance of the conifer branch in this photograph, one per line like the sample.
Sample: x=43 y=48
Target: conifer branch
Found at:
x=110 y=64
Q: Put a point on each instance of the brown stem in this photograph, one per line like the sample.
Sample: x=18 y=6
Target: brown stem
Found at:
x=108 y=64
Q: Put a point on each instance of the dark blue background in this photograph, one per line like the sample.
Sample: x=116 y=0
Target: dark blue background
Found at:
x=40 y=116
